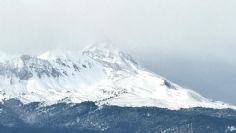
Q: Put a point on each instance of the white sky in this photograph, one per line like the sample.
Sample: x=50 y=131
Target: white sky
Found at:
x=191 y=42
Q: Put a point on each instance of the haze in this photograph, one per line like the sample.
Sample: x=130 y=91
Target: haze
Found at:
x=189 y=42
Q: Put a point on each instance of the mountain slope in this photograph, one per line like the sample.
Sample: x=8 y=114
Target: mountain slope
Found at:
x=100 y=74
x=87 y=117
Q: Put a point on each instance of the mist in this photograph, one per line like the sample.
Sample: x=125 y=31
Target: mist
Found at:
x=189 y=42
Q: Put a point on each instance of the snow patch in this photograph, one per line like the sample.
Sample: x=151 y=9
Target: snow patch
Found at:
x=231 y=129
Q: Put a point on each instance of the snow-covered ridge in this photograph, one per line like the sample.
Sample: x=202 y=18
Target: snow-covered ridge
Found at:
x=99 y=73
x=4 y=57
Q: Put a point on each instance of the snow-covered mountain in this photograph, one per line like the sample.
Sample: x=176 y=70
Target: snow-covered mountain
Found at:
x=99 y=73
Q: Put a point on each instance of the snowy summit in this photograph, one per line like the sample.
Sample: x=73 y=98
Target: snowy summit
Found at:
x=99 y=73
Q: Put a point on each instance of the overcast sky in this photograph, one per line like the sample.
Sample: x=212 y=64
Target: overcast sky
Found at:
x=191 y=42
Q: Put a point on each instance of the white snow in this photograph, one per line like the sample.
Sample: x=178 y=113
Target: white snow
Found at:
x=231 y=129
x=5 y=57
x=105 y=76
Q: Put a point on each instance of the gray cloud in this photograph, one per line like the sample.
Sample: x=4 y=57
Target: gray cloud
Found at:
x=190 y=42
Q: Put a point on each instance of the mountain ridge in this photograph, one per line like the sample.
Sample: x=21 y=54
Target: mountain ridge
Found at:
x=99 y=73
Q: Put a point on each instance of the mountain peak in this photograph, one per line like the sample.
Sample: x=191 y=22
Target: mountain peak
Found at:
x=101 y=73
x=106 y=54
x=104 y=48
